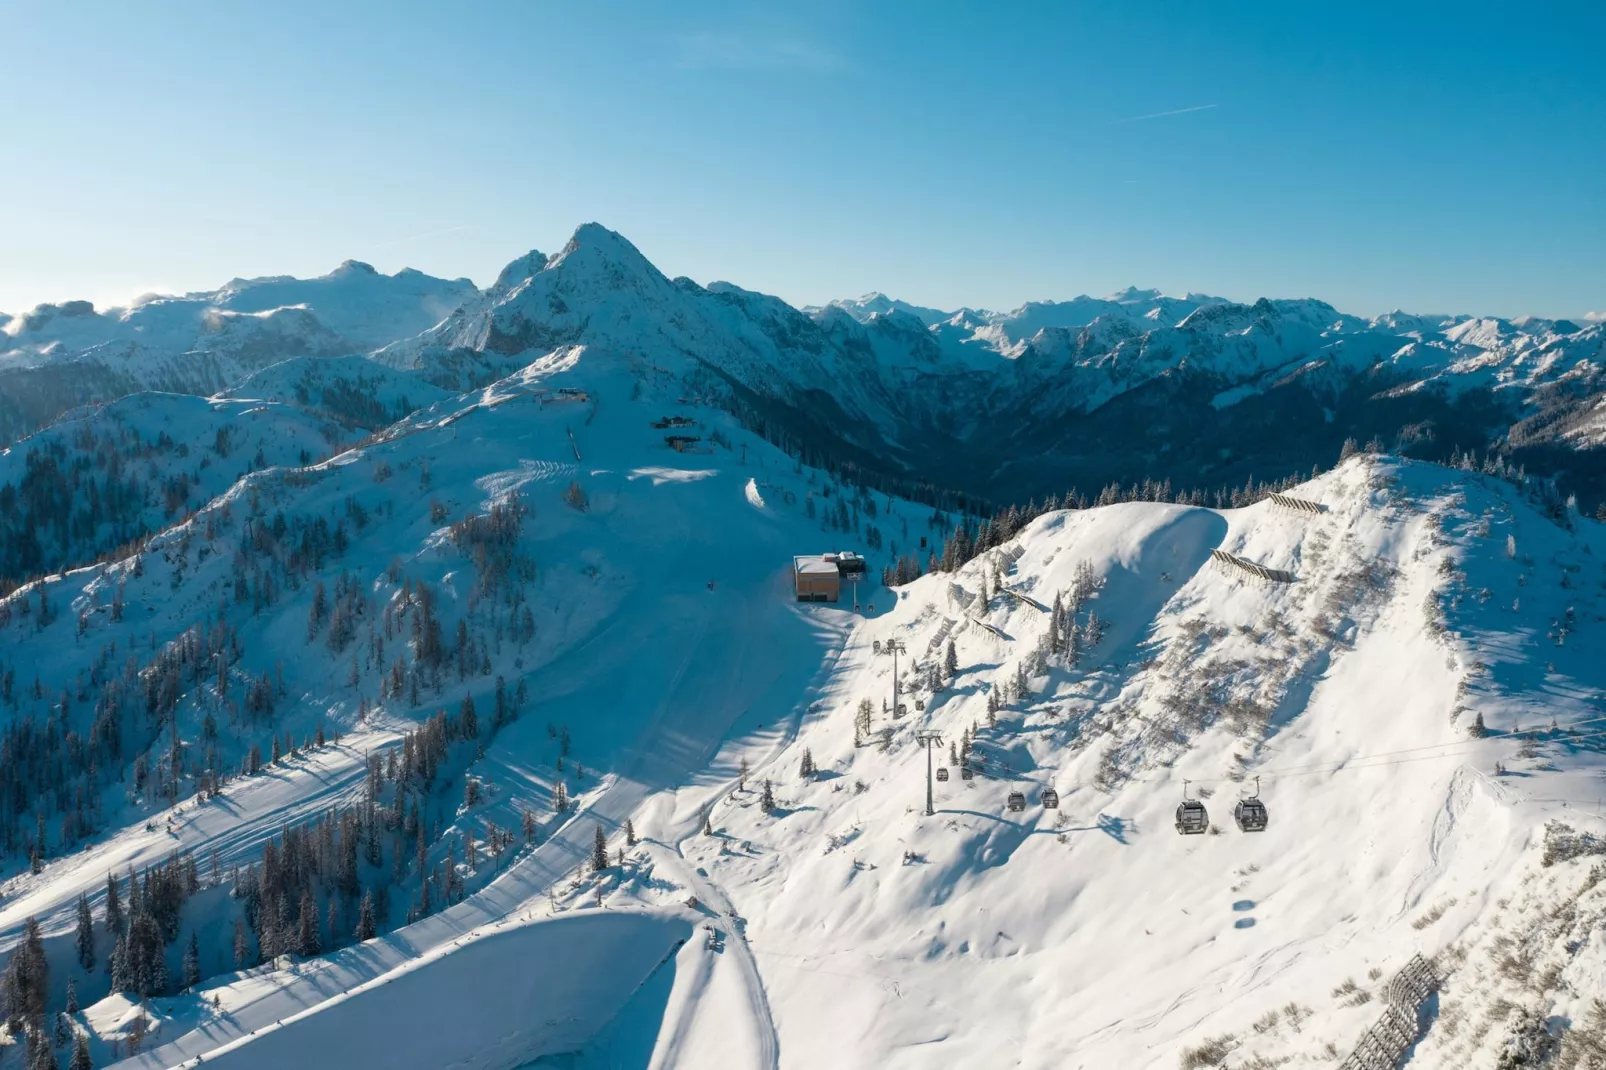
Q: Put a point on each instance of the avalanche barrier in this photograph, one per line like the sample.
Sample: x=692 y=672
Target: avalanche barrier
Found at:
x=1295 y=505
x=1399 y=1027
x=1232 y=562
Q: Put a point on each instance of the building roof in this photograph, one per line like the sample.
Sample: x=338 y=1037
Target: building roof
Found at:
x=814 y=565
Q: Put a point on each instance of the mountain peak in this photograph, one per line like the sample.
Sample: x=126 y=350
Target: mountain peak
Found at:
x=1132 y=295
x=353 y=267
x=595 y=247
x=519 y=270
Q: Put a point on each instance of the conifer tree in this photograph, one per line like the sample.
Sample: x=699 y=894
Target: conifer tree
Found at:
x=471 y=722
x=27 y=981
x=242 y=944
x=86 y=934
x=122 y=979
x=80 y=1054
x=599 y=851
x=366 y=929
x=767 y=800
x=806 y=768
x=630 y=832
x=307 y=943
x=114 y=908
x=951 y=662
x=72 y=997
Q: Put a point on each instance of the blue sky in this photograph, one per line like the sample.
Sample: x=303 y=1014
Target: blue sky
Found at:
x=1445 y=158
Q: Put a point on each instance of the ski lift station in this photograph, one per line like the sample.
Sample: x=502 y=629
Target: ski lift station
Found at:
x=818 y=577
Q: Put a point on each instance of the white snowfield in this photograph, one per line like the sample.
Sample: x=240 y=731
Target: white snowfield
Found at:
x=446 y=1010
x=844 y=927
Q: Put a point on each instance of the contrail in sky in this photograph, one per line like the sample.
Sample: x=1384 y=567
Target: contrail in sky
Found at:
x=1162 y=114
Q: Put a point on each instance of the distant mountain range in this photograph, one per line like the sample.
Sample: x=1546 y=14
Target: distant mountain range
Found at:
x=1196 y=390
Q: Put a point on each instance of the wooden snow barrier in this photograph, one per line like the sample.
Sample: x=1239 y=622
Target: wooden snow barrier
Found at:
x=1232 y=562
x=943 y=632
x=1295 y=505
x=1399 y=1027
x=989 y=627
x=1034 y=603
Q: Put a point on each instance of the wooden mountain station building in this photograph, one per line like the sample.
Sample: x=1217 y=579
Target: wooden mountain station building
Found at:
x=818 y=577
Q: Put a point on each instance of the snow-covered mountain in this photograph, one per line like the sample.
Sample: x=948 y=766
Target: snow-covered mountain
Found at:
x=59 y=356
x=955 y=398
x=505 y=713
x=404 y=690
x=960 y=397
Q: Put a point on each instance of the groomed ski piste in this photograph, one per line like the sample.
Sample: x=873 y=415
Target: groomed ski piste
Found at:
x=842 y=926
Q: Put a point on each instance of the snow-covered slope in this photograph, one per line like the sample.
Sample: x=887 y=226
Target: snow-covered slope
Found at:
x=106 y=475
x=664 y=675
x=1093 y=935
x=358 y=722
x=353 y=391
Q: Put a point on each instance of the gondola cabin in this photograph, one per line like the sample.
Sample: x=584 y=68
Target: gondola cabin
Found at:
x=942 y=775
x=1192 y=819
x=1051 y=799
x=966 y=773
x=1251 y=815
x=1017 y=802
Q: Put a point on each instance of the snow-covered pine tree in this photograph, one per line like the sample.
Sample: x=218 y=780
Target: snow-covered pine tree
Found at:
x=366 y=929
x=630 y=832
x=951 y=662
x=599 y=850
x=80 y=1054
x=767 y=800
x=122 y=979
x=85 y=941
x=806 y=767
x=72 y=996
x=742 y=770
x=307 y=942
x=114 y=908
x=560 y=798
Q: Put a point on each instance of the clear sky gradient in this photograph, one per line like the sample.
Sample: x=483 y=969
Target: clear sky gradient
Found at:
x=1444 y=158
